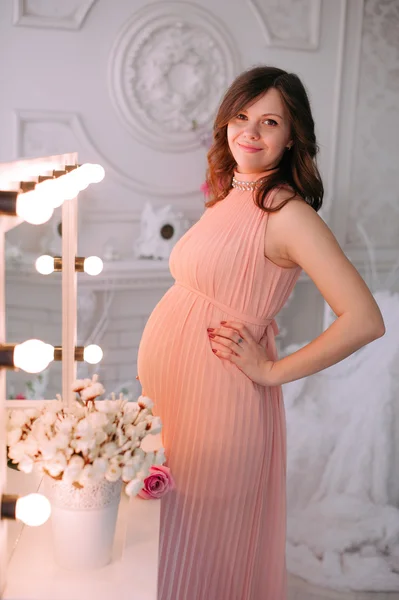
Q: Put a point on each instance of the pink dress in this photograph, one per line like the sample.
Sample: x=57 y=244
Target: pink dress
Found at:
x=223 y=528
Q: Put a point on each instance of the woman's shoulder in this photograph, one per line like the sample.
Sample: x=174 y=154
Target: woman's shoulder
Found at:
x=284 y=193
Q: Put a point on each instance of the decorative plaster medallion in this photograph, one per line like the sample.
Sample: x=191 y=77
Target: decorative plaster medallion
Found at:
x=289 y=23
x=68 y=14
x=168 y=67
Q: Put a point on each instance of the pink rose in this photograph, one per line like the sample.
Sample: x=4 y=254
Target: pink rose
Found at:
x=158 y=483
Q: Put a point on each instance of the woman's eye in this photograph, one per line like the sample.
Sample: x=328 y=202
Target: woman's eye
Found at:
x=270 y=122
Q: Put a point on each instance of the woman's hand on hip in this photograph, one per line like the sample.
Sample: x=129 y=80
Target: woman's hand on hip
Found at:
x=234 y=342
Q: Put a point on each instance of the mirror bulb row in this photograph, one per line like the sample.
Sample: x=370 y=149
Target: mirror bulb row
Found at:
x=92 y=265
x=36 y=206
x=34 y=355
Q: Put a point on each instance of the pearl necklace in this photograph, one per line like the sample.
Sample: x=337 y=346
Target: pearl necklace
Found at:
x=245 y=186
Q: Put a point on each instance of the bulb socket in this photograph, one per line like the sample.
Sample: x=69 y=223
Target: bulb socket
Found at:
x=8 y=507
x=57 y=263
x=7 y=356
x=58 y=173
x=27 y=186
x=79 y=264
x=44 y=178
x=69 y=168
x=8 y=202
x=79 y=350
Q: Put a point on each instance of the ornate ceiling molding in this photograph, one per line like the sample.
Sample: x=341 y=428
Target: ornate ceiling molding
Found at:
x=47 y=13
x=168 y=67
x=289 y=23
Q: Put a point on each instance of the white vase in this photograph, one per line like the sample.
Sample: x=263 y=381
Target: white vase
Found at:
x=83 y=522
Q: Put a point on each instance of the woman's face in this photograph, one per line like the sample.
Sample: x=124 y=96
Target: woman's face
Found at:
x=259 y=134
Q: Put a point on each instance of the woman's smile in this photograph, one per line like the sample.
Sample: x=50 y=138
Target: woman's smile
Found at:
x=248 y=148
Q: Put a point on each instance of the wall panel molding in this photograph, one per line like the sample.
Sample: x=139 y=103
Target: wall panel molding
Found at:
x=293 y=24
x=50 y=14
x=344 y=114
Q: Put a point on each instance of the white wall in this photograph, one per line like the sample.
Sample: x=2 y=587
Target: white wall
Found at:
x=121 y=81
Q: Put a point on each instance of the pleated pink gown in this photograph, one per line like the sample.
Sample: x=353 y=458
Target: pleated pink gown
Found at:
x=223 y=528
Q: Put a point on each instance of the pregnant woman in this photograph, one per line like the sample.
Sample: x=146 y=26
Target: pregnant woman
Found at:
x=208 y=357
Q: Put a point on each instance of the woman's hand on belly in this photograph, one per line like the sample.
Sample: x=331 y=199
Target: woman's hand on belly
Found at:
x=236 y=344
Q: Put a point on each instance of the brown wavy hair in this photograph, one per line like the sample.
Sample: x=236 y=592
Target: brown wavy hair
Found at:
x=297 y=168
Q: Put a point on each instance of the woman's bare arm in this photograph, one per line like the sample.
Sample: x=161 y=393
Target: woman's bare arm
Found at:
x=308 y=242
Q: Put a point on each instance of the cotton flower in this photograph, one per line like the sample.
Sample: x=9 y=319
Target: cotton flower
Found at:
x=113 y=473
x=17 y=419
x=48 y=449
x=31 y=413
x=48 y=418
x=160 y=457
x=92 y=392
x=100 y=437
x=81 y=384
x=100 y=466
x=84 y=436
x=65 y=424
x=26 y=464
x=106 y=406
x=146 y=402
x=97 y=419
x=31 y=446
x=130 y=412
x=140 y=429
x=128 y=473
x=109 y=450
x=90 y=475
x=139 y=453
x=62 y=441
x=142 y=416
x=74 y=469
x=156 y=425
x=56 y=465
x=134 y=487
x=76 y=461
x=14 y=436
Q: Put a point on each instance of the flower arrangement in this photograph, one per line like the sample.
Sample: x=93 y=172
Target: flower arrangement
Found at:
x=110 y=438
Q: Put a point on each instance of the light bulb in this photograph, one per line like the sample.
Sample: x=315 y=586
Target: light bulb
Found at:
x=49 y=189
x=92 y=354
x=93 y=265
x=33 y=356
x=34 y=207
x=45 y=264
x=33 y=509
x=69 y=187
x=92 y=173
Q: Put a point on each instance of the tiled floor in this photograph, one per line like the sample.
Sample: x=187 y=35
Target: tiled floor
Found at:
x=298 y=589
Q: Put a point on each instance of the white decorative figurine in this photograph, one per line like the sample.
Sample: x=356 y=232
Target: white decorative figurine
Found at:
x=160 y=230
